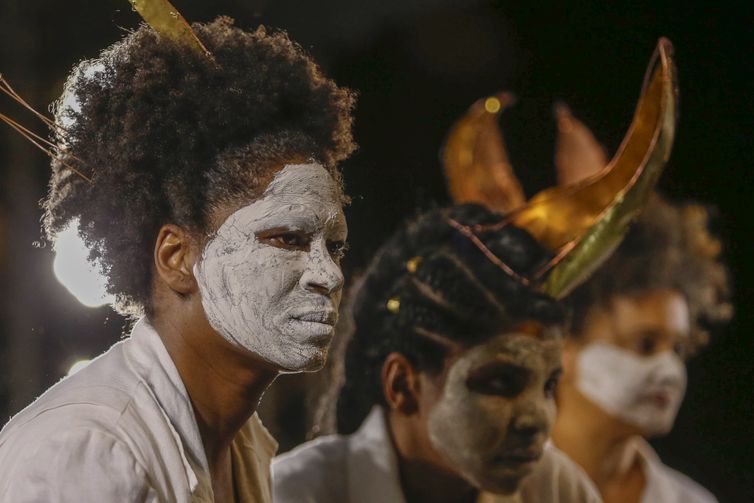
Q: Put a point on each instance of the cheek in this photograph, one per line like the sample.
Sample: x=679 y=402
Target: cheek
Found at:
x=478 y=422
x=256 y=271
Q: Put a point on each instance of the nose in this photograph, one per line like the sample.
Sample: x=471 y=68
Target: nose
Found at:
x=532 y=419
x=322 y=274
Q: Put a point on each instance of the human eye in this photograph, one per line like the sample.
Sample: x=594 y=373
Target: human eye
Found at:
x=285 y=238
x=646 y=345
x=498 y=379
x=551 y=385
x=337 y=249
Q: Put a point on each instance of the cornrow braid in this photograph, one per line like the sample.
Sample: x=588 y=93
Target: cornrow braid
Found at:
x=430 y=281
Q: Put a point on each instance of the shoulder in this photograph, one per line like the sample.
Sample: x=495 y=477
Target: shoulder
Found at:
x=106 y=384
x=674 y=484
x=558 y=479
x=74 y=463
x=311 y=471
x=81 y=425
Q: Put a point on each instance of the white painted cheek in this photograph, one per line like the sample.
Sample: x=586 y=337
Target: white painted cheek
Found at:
x=619 y=381
x=458 y=429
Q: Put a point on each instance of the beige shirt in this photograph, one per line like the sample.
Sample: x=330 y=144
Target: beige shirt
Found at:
x=123 y=430
x=363 y=468
x=665 y=485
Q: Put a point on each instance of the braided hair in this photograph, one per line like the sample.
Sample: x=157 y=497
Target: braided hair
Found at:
x=431 y=279
x=167 y=136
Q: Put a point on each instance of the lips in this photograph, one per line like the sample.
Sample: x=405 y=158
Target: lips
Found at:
x=522 y=457
x=324 y=317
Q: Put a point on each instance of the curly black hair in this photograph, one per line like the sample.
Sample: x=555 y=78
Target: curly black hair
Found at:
x=669 y=247
x=444 y=285
x=167 y=135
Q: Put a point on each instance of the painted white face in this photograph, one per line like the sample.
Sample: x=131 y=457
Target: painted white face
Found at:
x=270 y=278
x=643 y=391
x=496 y=409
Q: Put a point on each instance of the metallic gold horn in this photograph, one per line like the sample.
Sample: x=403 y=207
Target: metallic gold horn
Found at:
x=584 y=222
x=476 y=161
x=168 y=22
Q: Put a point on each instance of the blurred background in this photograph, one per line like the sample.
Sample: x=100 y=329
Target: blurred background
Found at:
x=417 y=65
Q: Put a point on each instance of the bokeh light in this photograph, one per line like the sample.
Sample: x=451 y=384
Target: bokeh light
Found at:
x=73 y=269
x=78 y=365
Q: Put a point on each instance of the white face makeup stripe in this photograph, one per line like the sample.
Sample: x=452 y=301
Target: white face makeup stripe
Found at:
x=278 y=301
x=494 y=413
x=644 y=391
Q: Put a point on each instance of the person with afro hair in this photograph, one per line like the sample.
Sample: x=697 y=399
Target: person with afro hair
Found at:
x=451 y=370
x=634 y=323
x=208 y=190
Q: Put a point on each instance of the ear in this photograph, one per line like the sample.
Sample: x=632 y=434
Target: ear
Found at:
x=400 y=384
x=174 y=258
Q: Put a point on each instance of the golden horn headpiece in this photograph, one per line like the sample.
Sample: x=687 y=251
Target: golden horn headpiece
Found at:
x=581 y=222
x=168 y=22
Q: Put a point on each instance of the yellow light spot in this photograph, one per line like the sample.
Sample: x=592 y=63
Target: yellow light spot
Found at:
x=413 y=264
x=78 y=366
x=394 y=305
x=492 y=105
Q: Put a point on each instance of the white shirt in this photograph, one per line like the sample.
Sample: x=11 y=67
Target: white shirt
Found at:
x=666 y=485
x=363 y=468
x=123 y=430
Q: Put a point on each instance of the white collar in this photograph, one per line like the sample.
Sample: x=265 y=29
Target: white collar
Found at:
x=373 y=475
x=151 y=362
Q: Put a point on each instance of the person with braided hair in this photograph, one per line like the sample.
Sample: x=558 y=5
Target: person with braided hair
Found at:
x=454 y=363
x=207 y=187
x=635 y=322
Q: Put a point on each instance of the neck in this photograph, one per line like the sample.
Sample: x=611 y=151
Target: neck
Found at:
x=598 y=442
x=422 y=480
x=224 y=383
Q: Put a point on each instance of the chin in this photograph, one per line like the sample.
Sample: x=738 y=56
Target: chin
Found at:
x=311 y=360
x=491 y=480
x=505 y=486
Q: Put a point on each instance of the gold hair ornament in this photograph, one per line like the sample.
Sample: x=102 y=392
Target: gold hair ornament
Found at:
x=583 y=222
x=393 y=305
x=413 y=264
x=165 y=19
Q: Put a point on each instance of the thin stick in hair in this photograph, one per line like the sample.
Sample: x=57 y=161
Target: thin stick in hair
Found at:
x=468 y=233
x=49 y=148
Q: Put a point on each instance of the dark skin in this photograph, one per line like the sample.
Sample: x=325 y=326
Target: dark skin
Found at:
x=425 y=475
x=225 y=383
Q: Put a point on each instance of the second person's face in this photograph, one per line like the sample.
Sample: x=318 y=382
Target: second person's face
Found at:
x=494 y=412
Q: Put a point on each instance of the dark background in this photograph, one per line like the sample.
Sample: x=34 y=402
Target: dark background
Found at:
x=417 y=65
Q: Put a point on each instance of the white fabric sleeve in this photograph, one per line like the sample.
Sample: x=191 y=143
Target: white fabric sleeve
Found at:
x=78 y=465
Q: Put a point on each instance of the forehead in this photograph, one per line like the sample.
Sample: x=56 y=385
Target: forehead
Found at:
x=655 y=310
x=310 y=181
x=300 y=195
x=521 y=349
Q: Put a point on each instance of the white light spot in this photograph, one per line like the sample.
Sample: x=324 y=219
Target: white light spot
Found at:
x=72 y=268
x=80 y=364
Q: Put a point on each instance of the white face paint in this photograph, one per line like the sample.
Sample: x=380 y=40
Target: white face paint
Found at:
x=643 y=391
x=497 y=404
x=270 y=278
